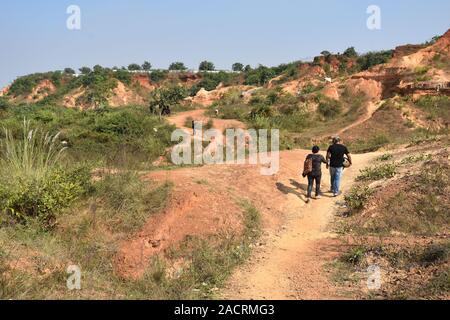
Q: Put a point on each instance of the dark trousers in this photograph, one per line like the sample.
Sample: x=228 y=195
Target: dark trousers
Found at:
x=311 y=180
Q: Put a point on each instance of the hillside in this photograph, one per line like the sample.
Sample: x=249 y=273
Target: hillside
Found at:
x=87 y=179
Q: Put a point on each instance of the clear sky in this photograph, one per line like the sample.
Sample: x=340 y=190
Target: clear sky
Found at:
x=34 y=36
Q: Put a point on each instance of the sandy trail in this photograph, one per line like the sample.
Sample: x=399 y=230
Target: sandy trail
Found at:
x=289 y=264
x=372 y=107
x=179 y=120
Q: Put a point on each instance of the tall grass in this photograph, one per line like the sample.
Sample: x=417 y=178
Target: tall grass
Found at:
x=32 y=181
x=33 y=155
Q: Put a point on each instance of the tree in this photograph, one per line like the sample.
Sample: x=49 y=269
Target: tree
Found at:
x=259 y=76
x=146 y=66
x=162 y=99
x=370 y=59
x=134 y=67
x=237 y=67
x=248 y=68
x=158 y=75
x=351 y=53
x=177 y=66
x=326 y=53
x=206 y=66
x=69 y=71
x=98 y=68
x=85 y=70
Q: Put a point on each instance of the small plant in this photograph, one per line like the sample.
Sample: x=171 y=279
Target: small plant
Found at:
x=385 y=157
x=358 y=197
x=415 y=158
x=384 y=171
x=354 y=256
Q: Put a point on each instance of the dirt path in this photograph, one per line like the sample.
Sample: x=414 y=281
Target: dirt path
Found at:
x=179 y=120
x=372 y=107
x=288 y=264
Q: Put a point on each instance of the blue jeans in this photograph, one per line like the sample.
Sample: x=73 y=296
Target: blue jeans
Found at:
x=336 y=174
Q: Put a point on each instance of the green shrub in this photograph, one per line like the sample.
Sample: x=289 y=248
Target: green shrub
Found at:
x=357 y=198
x=329 y=108
x=354 y=256
x=384 y=171
x=158 y=75
x=120 y=137
x=369 y=145
x=44 y=197
x=259 y=76
x=385 y=157
x=370 y=59
x=4 y=103
x=33 y=184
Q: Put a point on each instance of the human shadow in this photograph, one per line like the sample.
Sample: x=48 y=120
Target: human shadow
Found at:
x=304 y=187
x=289 y=190
x=298 y=185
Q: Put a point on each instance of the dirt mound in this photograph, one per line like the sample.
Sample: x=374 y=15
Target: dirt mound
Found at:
x=331 y=91
x=144 y=81
x=207 y=98
x=370 y=88
x=308 y=75
x=43 y=89
x=196 y=209
x=4 y=91
x=122 y=96
x=411 y=65
x=71 y=100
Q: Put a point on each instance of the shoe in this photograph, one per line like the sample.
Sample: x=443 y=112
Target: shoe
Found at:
x=308 y=200
x=337 y=194
x=318 y=197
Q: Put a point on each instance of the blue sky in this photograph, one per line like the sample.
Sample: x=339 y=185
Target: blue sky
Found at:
x=34 y=37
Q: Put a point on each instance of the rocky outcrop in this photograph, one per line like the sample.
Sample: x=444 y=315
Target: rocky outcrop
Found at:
x=42 y=90
x=144 y=81
x=4 y=91
x=122 y=96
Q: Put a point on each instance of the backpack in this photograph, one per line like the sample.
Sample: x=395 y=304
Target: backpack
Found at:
x=307 y=167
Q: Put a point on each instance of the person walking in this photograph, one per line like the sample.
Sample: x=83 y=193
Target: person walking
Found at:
x=335 y=162
x=313 y=170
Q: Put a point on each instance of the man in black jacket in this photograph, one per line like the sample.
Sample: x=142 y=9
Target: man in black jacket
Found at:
x=335 y=161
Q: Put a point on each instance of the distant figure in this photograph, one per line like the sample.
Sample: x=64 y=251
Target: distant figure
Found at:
x=313 y=170
x=217 y=112
x=193 y=127
x=336 y=163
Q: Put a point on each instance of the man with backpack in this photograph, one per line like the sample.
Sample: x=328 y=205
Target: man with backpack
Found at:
x=336 y=162
x=313 y=170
